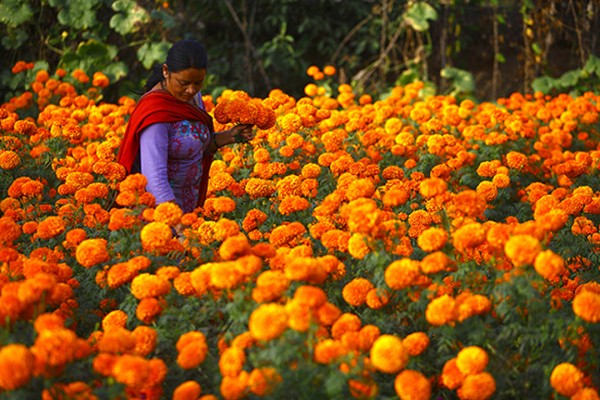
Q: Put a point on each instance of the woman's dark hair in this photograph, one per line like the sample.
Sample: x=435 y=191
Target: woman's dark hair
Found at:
x=184 y=54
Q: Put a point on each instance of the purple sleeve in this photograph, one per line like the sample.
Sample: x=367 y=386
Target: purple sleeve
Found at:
x=154 y=148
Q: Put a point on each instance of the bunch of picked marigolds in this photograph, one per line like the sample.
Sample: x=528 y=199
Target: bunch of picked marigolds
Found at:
x=412 y=247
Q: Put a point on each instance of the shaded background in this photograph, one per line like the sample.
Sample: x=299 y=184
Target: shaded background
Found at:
x=484 y=48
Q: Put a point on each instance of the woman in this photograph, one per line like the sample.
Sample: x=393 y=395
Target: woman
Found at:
x=170 y=137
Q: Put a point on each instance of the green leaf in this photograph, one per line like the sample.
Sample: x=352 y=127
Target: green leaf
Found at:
x=90 y=56
x=543 y=84
x=462 y=80
x=536 y=48
x=14 y=39
x=80 y=15
x=151 y=53
x=500 y=58
x=14 y=12
x=129 y=17
x=418 y=14
x=592 y=65
x=569 y=79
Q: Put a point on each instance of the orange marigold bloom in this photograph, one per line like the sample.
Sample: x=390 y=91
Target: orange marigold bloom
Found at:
x=435 y=262
x=188 y=390
x=549 y=265
x=516 y=160
x=91 y=252
x=471 y=360
x=586 y=393
x=16 y=366
x=131 y=370
x=145 y=340
x=292 y=203
x=120 y=274
x=268 y=321
x=388 y=354
x=432 y=239
x=479 y=386
x=346 y=322
x=586 y=305
x=441 y=310
x=9 y=230
x=270 y=285
x=155 y=235
x=232 y=361
x=416 y=343
x=355 y=292
x=451 y=377
x=522 y=249
x=412 y=385
x=234 y=387
x=9 y=159
x=147 y=285
x=567 y=379
x=262 y=381
x=395 y=197
x=114 y=319
x=468 y=236
x=402 y=273
x=328 y=350
x=50 y=227
x=148 y=309
x=432 y=187
x=168 y=212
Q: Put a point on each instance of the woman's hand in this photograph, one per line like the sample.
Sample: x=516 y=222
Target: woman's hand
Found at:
x=242 y=133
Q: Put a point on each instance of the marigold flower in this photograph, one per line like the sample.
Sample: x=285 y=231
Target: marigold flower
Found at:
x=192 y=350
x=188 y=390
x=480 y=386
x=91 y=252
x=355 y=292
x=586 y=305
x=468 y=236
x=232 y=361
x=168 y=212
x=268 y=321
x=451 y=377
x=402 y=273
x=114 y=319
x=432 y=239
x=234 y=387
x=131 y=370
x=328 y=350
x=522 y=249
x=9 y=159
x=16 y=366
x=416 y=343
x=549 y=264
x=412 y=385
x=586 y=393
x=148 y=309
x=388 y=354
x=155 y=235
x=270 y=285
x=441 y=310
x=145 y=340
x=147 y=285
x=50 y=227
x=471 y=360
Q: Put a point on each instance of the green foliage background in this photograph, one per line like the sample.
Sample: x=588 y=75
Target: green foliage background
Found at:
x=486 y=48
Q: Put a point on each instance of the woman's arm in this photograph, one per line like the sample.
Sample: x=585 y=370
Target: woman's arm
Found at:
x=154 y=148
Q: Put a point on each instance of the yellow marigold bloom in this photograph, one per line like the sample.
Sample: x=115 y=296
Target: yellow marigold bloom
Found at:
x=225 y=275
x=479 y=386
x=416 y=343
x=412 y=385
x=147 y=285
x=9 y=159
x=132 y=371
x=388 y=354
x=91 y=252
x=355 y=292
x=358 y=245
x=232 y=361
x=451 y=377
x=432 y=239
x=114 y=319
x=155 y=235
x=441 y=310
x=16 y=366
x=50 y=227
x=522 y=249
x=586 y=305
x=168 y=212
x=402 y=273
x=268 y=321
x=549 y=264
x=471 y=360
x=188 y=390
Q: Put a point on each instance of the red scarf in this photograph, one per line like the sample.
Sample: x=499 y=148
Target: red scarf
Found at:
x=160 y=107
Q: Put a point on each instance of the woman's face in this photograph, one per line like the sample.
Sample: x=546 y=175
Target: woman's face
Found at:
x=184 y=84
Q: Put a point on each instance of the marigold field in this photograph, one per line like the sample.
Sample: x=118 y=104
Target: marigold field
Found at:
x=413 y=246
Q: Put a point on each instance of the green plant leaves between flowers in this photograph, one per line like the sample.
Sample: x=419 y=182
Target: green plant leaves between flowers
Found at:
x=14 y=12
x=151 y=53
x=129 y=16
x=76 y=14
x=418 y=14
